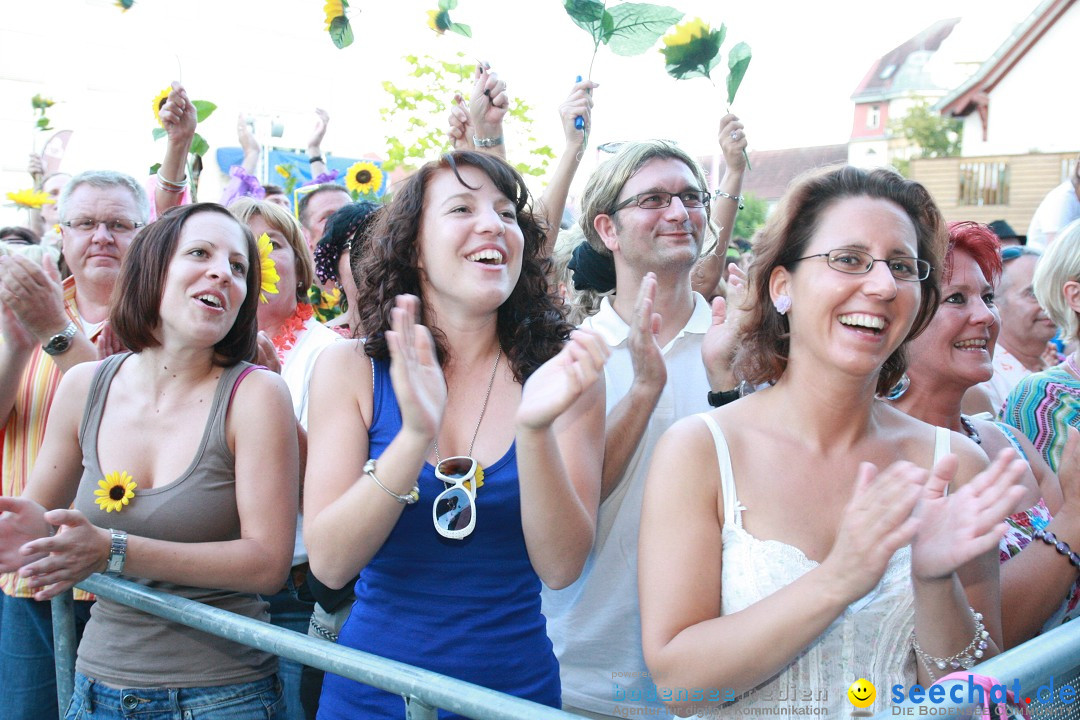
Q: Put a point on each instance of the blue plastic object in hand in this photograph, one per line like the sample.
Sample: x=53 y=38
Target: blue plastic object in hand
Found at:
x=579 y=122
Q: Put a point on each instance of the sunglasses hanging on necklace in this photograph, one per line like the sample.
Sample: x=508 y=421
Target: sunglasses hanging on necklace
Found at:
x=454 y=510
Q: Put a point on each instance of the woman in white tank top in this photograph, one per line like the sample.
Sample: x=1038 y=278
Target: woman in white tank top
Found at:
x=777 y=564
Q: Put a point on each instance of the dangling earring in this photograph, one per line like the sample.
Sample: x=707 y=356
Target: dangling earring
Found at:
x=782 y=304
x=344 y=302
x=901 y=387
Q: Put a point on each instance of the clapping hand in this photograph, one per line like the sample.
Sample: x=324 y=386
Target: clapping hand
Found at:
x=718 y=347
x=415 y=372
x=643 y=343
x=77 y=550
x=559 y=382
x=877 y=521
x=956 y=528
x=21 y=521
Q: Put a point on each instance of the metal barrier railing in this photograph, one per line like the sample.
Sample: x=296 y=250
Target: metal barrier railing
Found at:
x=422 y=691
x=1051 y=659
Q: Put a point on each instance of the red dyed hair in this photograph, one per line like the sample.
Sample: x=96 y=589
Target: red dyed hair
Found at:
x=978 y=241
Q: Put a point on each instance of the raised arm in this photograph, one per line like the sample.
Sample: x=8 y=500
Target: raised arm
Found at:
x=626 y=423
x=37 y=175
x=260 y=430
x=578 y=104
x=314 y=147
x=487 y=108
x=347 y=516
x=178 y=117
x=725 y=205
x=686 y=642
x=560 y=423
x=243 y=179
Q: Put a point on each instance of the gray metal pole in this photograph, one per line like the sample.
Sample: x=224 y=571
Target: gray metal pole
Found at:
x=63 y=624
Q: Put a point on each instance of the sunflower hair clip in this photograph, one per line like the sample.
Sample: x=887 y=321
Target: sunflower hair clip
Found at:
x=115 y=491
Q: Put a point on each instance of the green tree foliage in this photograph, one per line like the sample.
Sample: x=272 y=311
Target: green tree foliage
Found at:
x=418 y=111
x=751 y=217
x=933 y=135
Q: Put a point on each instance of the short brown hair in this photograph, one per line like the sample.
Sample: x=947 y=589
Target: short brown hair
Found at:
x=279 y=218
x=135 y=308
x=763 y=339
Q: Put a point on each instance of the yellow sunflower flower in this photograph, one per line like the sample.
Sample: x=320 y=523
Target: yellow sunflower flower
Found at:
x=329 y=299
x=283 y=171
x=159 y=102
x=364 y=177
x=115 y=491
x=686 y=32
x=270 y=275
x=30 y=199
x=333 y=9
x=433 y=21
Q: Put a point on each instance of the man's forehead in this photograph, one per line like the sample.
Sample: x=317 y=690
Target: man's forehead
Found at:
x=85 y=195
x=659 y=171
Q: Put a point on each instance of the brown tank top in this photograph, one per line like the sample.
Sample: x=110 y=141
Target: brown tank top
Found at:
x=125 y=647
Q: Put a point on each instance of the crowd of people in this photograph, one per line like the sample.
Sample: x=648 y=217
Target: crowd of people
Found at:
x=705 y=481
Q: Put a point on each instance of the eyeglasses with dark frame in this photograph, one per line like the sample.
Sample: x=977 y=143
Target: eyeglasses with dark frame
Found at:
x=116 y=227
x=657 y=199
x=857 y=262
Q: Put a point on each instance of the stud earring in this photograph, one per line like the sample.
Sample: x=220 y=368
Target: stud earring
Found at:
x=782 y=304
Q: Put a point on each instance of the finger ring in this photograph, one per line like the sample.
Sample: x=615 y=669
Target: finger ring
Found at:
x=734 y=134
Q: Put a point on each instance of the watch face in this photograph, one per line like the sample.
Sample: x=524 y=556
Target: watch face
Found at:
x=58 y=344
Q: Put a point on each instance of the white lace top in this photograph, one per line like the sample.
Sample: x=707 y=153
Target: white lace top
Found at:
x=871 y=639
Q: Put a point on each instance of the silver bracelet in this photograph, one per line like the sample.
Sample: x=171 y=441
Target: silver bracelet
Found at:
x=966 y=658
x=407 y=499
x=737 y=198
x=487 y=142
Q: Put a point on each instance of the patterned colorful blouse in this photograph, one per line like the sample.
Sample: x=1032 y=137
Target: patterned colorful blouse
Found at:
x=1042 y=407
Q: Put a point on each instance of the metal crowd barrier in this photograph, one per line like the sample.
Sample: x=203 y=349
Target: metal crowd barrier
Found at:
x=422 y=691
x=1046 y=668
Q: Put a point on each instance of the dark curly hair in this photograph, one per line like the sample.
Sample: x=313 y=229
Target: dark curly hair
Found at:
x=763 y=339
x=530 y=324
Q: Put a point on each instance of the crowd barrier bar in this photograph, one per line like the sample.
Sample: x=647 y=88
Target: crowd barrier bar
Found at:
x=422 y=691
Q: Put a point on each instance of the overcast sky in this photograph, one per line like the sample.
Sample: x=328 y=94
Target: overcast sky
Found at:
x=272 y=57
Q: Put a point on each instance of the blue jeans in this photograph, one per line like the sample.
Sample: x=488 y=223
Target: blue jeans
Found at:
x=290 y=610
x=258 y=700
x=27 y=669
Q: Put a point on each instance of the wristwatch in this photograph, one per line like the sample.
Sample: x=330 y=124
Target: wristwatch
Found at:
x=117 y=553
x=59 y=343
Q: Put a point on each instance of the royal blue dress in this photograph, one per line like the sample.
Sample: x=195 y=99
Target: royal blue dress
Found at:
x=469 y=609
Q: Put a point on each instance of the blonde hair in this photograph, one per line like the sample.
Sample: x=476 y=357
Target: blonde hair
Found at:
x=578 y=304
x=1059 y=264
x=281 y=220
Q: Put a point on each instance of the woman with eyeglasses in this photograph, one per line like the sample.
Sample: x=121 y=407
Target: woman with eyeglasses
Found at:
x=452 y=458
x=1038 y=588
x=181 y=463
x=799 y=538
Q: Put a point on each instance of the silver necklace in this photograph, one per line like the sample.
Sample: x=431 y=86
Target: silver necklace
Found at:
x=483 y=409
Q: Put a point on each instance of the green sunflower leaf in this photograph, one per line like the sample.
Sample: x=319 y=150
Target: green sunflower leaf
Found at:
x=460 y=29
x=637 y=26
x=203 y=109
x=154 y=168
x=159 y=133
x=198 y=145
x=738 y=60
x=341 y=32
x=447 y=4
x=587 y=15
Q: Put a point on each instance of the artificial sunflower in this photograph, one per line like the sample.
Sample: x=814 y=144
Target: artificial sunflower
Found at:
x=433 y=17
x=693 y=49
x=124 y=5
x=478 y=476
x=30 y=199
x=283 y=170
x=269 y=273
x=159 y=102
x=337 y=22
x=115 y=491
x=364 y=177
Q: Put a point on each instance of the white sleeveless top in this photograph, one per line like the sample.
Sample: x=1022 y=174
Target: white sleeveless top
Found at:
x=871 y=639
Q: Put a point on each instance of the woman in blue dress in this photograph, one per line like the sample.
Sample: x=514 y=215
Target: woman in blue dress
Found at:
x=452 y=457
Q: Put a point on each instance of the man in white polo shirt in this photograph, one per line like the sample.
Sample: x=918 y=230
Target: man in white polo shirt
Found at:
x=647 y=208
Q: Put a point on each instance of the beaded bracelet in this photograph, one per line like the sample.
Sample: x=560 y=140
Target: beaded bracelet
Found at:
x=1060 y=545
x=407 y=499
x=966 y=658
x=736 y=198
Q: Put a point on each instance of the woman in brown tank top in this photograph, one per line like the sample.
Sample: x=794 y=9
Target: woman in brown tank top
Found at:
x=183 y=478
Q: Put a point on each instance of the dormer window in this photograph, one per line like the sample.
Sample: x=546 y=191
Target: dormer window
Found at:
x=887 y=71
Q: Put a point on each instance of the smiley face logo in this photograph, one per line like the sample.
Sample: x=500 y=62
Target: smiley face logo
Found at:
x=862 y=693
